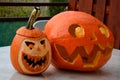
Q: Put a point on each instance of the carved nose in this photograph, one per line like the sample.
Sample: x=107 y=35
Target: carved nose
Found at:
x=38 y=48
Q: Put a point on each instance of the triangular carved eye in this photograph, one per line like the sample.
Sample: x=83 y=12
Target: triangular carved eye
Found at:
x=29 y=44
x=42 y=42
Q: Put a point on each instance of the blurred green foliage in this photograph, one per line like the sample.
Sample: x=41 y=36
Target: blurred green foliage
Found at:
x=19 y=11
x=22 y=11
x=15 y=11
x=53 y=10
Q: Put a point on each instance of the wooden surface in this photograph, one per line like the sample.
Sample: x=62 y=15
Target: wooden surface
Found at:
x=82 y=5
x=107 y=11
x=100 y=9
x=110 y=71
x=114 y=21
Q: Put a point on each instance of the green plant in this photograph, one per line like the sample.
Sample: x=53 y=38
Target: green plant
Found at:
x=55 y=9
x=18 y=11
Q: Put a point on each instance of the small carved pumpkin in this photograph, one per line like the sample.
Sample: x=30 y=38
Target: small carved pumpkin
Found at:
x=30 y=49
x=79 y=41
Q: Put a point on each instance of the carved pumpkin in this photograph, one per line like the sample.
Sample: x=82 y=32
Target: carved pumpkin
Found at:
x=79 y=41
x=30 y=49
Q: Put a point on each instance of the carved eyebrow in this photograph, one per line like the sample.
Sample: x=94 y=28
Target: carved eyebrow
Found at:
x=28 y=43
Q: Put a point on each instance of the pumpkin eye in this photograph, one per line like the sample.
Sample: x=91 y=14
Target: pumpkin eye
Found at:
x=103 y=29
x=42 y=42
x=76 y=30
x=29 y=44
x=79 y=32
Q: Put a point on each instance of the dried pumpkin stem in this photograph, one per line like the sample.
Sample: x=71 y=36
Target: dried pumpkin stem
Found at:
x=34 y=15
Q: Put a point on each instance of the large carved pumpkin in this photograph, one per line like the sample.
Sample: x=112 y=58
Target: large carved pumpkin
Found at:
x=30 y=49
x=79 y=41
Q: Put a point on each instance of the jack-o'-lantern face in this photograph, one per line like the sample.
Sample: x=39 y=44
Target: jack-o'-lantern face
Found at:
x=34 y=55
x=89 y=58
x=31 y=51
x=80 y=42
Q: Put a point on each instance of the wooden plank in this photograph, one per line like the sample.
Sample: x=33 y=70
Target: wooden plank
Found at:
x=33 y=4
x=100 y=9
x=2 y=19
x=114 y=21
x=72 y=5
x=85 y=6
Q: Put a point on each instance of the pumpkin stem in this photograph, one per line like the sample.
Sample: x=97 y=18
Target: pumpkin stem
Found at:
x=34 y=15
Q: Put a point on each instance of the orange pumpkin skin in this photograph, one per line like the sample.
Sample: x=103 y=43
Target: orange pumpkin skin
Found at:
x=79 y=41
x=20 y=59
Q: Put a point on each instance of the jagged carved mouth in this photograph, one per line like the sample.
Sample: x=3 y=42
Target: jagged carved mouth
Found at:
x=89 y=60
x=35 y=63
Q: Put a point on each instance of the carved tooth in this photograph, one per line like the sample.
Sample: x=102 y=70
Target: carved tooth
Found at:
x=28 y=56
x=100 y=46
x=35 y=67
x=38 y=59
x=42 y=65
x=31 y=65
x=35 y=60
x=28 y=64
x=42 y=58
x=38 y=66
x=32 y=60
